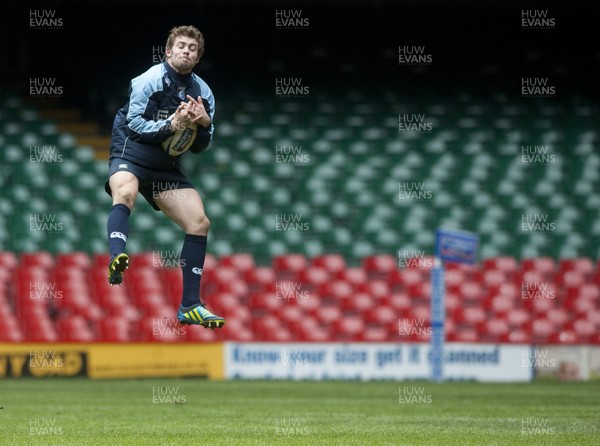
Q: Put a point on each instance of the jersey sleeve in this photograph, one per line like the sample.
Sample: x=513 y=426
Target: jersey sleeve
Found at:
x=204 y=135
x=144 y=93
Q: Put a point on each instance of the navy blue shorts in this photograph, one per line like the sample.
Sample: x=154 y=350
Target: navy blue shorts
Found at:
x=151 y=181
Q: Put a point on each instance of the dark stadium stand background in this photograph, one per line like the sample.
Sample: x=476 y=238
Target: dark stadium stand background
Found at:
x=480 y=50
x=105 y=43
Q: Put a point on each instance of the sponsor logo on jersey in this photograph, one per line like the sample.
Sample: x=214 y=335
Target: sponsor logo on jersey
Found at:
x=123 y=166
x=197 y=270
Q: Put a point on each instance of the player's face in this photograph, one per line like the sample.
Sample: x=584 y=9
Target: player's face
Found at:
x=183 y=56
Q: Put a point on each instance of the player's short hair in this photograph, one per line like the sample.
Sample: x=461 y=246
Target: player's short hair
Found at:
x=187 y=31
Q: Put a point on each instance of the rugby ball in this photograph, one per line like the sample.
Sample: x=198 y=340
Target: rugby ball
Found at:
x=181 y=140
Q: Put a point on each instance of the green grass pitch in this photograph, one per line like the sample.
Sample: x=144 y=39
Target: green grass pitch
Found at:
x=195 y=411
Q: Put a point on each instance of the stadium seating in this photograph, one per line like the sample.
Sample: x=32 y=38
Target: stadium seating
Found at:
x=347 y=197
x=67 y=298
x=53 y=211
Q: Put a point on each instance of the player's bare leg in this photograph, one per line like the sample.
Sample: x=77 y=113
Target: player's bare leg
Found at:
x=124 y=187
x=185 y=208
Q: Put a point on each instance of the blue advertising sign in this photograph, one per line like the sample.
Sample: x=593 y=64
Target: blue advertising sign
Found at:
x=456 y=246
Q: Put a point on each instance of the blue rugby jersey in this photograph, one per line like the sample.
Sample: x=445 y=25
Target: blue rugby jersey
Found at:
x=140 y=126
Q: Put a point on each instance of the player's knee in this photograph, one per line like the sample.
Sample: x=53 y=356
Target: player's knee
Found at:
x=200 y=225
x=126 y=197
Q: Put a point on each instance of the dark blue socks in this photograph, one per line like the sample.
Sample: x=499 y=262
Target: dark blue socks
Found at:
x=118 y=229
x=193 y=253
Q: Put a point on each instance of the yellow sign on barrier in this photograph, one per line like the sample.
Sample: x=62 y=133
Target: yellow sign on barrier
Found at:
x=112 y=360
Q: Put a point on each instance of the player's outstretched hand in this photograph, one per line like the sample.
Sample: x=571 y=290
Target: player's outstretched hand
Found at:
x=199 y=114
x=183 y=117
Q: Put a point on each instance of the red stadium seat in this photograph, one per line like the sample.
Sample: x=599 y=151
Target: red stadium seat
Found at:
x=40 y=259
x=281 y=335
x=357 y=303
x=411 y=328
x=143 y=279
x=260 y=278
x=541 y=330
x=539 y=306
x=261 y=327
x=570 y=279
x=464 y=335
x=314 y=276
x=8 y=260
x=493 y=330
x=42 y=332
x=289 y=263
x=516 y=337
x=6 y=277
x=558 y=316
x=584 y=328
x=312 y=332
x=327 y=315
x=265 y=302
x=234 y=286
x=453 y=279
x=354 y=276
x=224 y=301
x=380 y=315
x=199 y=334
x=404 y=278
x=379 y=266
x=100 y=261
x=336 y=289
x=469 y=315
x=544 y=265
x=585 y=266
x=307 y=323
x=172 y=281
x=517 y=317
x=333 y=263
x=581 y=305
x=531 y=275
x=114 y=329
x=149 y=300
x=374 y=334
x=399 y=301
x=453 y=301
x=240 y=313
x=419 y=312
x=500 y=304
x=593 y=315
x=510 y=289
x=589 y=291
x=565 y=337
x=156 y=329
x=148 y=260
x=78 y=260
x=234 y=331
x=472 y=292
x=420 y=291
x=74 y=328
x=242 y=262
x=224 y=274
x=310 y=303
x=289 y=313
x=9 y=328
x=494 y=278
x=469 y=272
x=377 y=289
x=348 y=328
x=508 y=265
